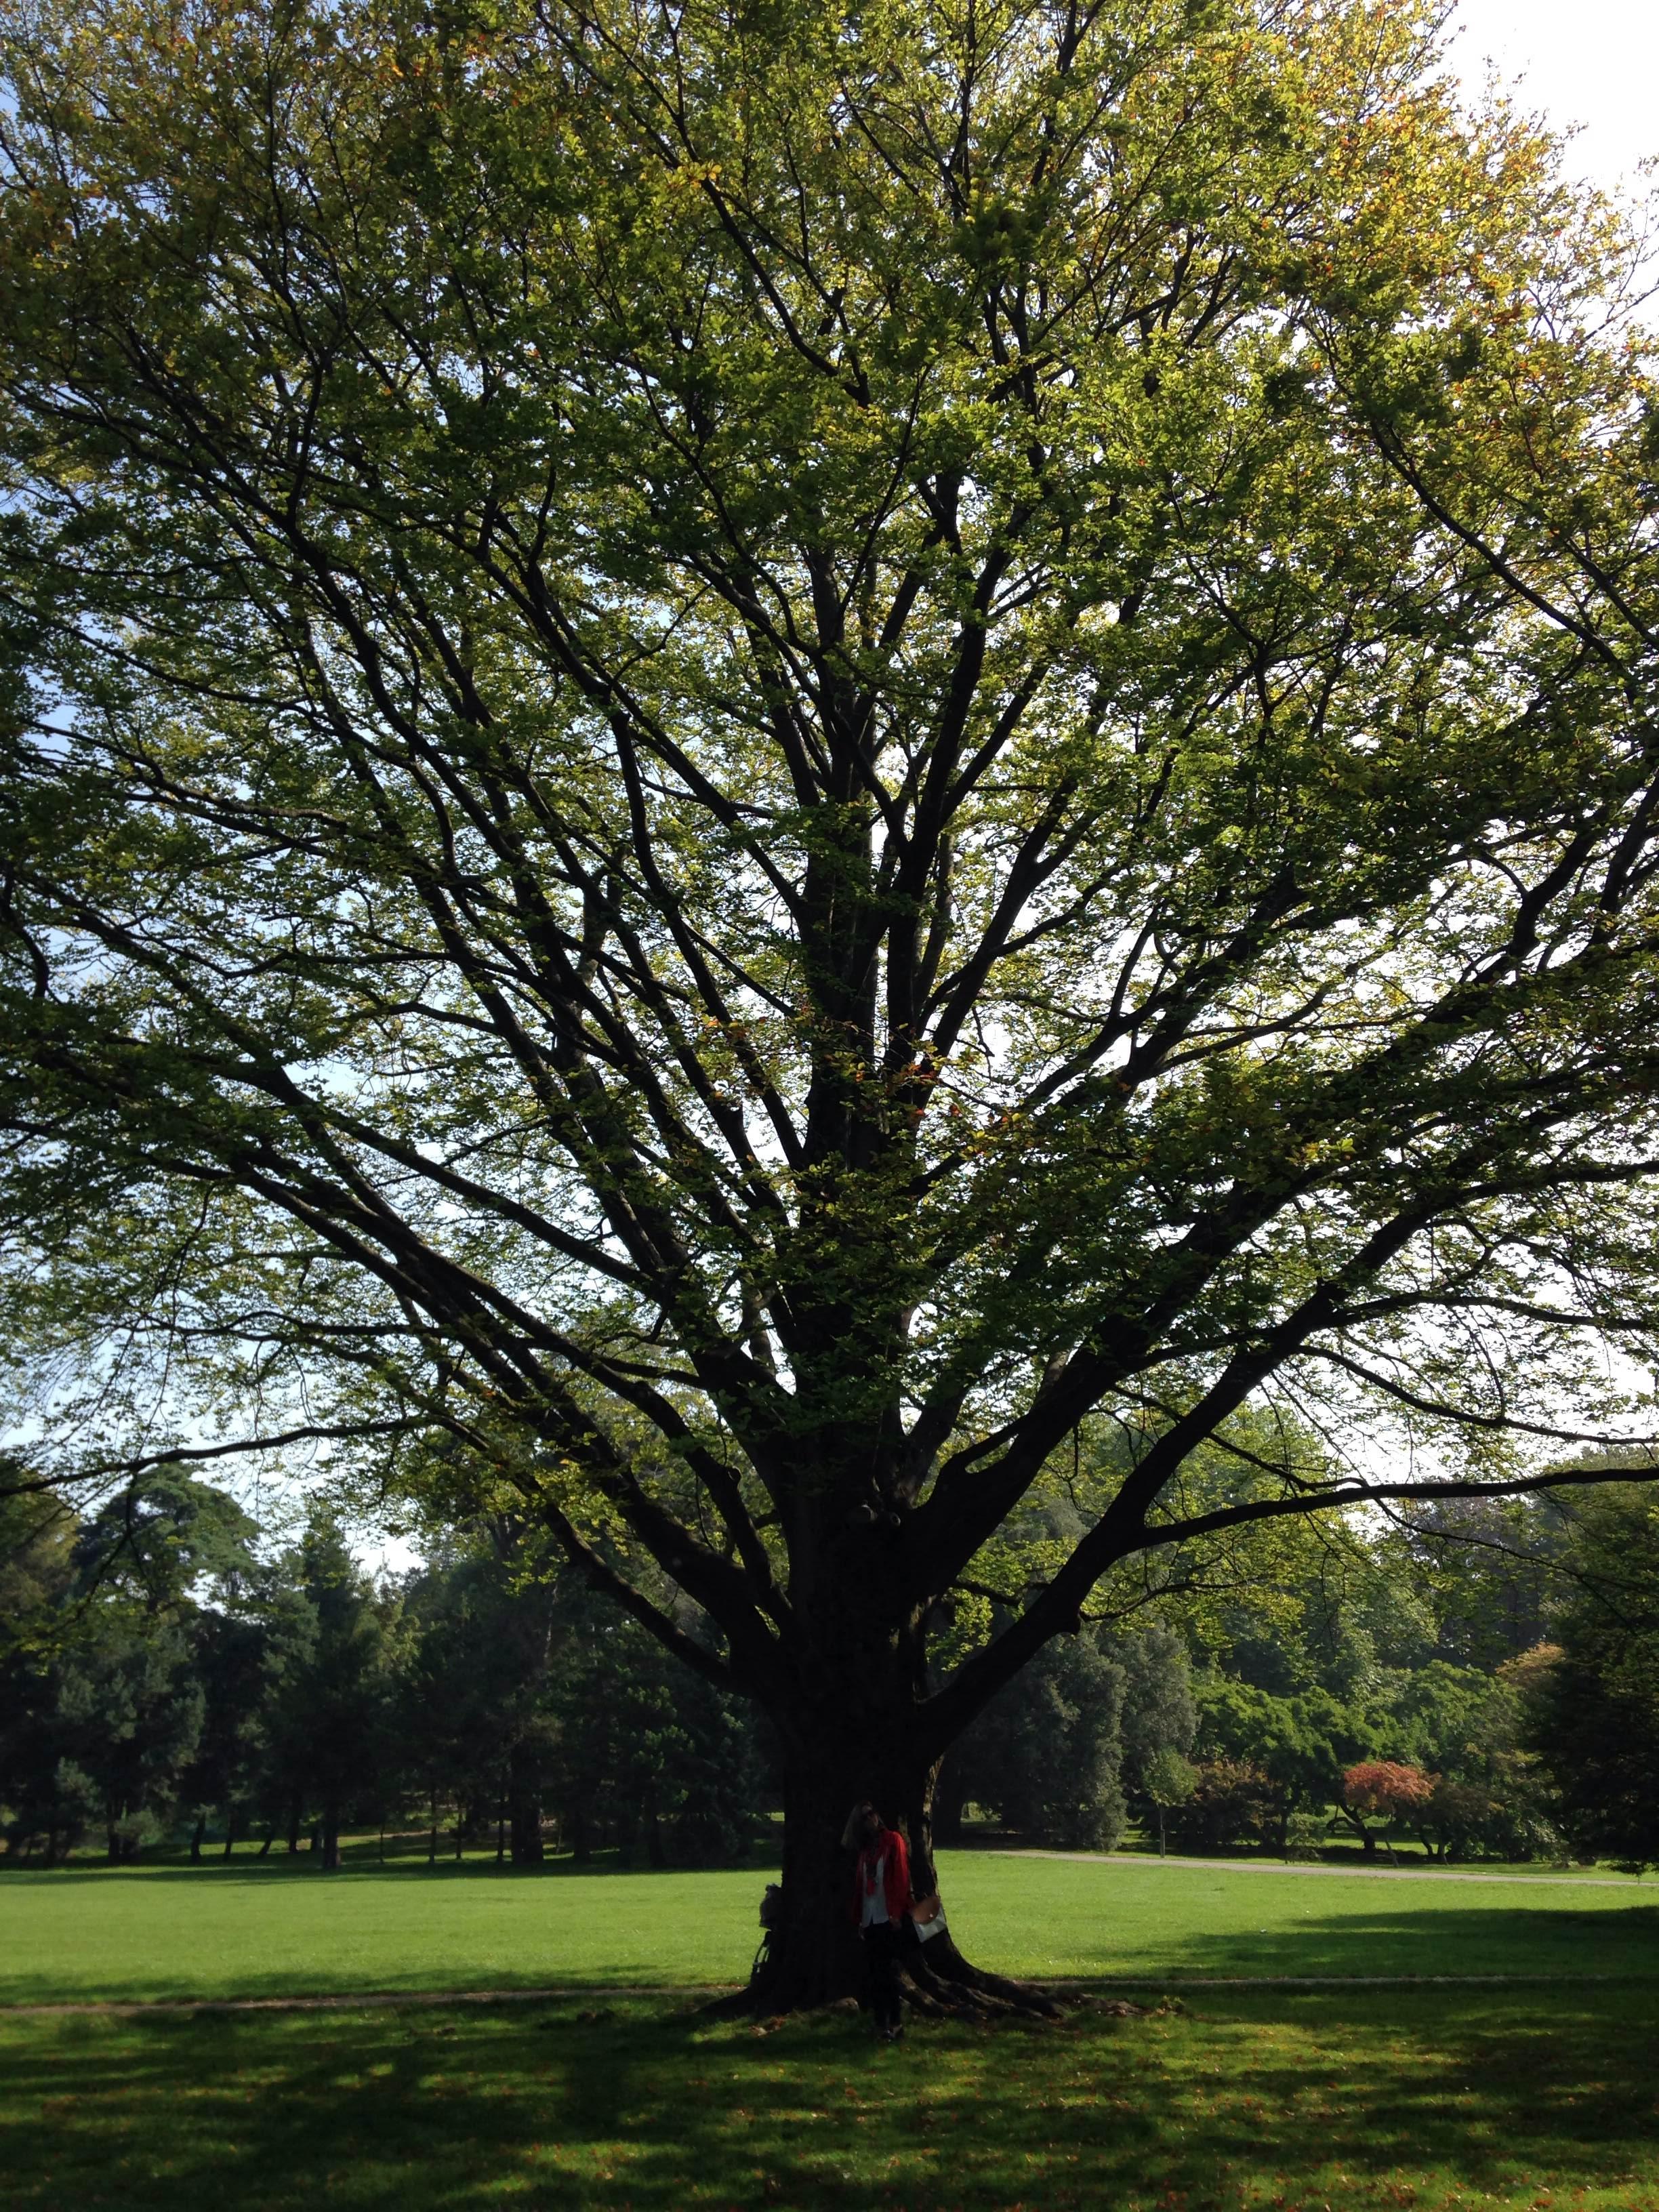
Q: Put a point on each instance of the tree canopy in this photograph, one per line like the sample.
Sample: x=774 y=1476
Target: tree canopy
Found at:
x=759 y=756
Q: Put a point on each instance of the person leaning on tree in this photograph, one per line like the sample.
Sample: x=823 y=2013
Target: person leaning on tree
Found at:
x=881 y=1896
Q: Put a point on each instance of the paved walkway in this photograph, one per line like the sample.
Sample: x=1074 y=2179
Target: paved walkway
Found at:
x=1418 y=1871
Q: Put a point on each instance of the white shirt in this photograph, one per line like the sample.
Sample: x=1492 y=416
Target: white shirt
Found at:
x=875 y=1900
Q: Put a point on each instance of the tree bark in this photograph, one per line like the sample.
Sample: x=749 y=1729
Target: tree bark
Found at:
x=196 y=1836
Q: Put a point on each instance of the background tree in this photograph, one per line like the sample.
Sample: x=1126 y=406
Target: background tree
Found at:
x=45 y=1798
x=1468 y=1729
x=1489 y=1570
x=36 y=1535
x=458 y=1693
x=471 y=1683
x=1383 y=1791
x=1159 y=1719
x=752 y=759
x=1592 y=1701
x=328 y=1721
x=643 y=1758
x=1295 y=1748
x=1061 y=1753
x=1044 y=1755
x=129 y=1698
x=1168 y=1779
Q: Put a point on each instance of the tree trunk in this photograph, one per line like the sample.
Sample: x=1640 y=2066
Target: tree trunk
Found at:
x=526 y=1821
x=949 y=1801
x=196 y=1836
x=816 y=1955
x=230 y=1833
x=524 y=1806
x=330 y=1836
x=294 y=1825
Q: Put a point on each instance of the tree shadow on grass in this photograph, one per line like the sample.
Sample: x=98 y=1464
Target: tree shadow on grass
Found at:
x=1410 y=1938
x=1357 y=2100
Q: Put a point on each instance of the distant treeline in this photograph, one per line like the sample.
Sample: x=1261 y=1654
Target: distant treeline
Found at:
x=179 y=1683
x=169 y=1678
x=1484 y=1682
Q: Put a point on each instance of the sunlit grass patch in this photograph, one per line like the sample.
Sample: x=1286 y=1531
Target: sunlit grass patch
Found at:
x=278 y=1927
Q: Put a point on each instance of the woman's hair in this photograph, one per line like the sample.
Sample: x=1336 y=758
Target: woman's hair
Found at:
x=861 y=1823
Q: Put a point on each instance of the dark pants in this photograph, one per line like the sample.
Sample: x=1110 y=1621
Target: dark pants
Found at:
x=881 y=1946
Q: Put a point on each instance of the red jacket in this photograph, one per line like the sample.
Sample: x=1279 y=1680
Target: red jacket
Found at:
x=896 y=1882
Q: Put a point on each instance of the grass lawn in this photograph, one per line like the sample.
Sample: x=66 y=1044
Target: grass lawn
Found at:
x=1420 y=2098
x=1534 y=2095
x=278 y=1927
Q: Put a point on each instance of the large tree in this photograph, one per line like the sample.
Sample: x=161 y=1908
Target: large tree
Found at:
x=761 y=755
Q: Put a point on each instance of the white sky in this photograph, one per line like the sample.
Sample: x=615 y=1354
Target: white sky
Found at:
x=1590 y=62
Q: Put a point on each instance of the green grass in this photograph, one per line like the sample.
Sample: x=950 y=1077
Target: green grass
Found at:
x=1527 y=2097
x=277 y=1927
x=1426 y=2098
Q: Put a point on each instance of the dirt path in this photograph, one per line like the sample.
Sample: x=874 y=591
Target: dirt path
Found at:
x=377 y=2000
x=426 y=2000
x=1415 y=1872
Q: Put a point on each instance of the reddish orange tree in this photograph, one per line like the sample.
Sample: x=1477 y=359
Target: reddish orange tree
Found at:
x=1385 y=1791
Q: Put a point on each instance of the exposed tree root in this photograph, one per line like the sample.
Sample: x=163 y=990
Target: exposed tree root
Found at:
x=936 y=1982
x=742 y=2004
x=940 y=1983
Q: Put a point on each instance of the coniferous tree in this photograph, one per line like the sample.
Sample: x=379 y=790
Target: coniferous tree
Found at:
x=331 y=1700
